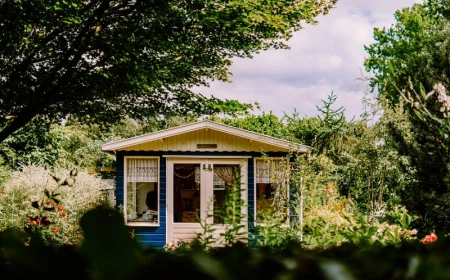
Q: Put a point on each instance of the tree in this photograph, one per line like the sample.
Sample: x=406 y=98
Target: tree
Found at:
x=75 y=143
x=265 y=123
x=412 y=57
x=103 y=59
x=326 y=132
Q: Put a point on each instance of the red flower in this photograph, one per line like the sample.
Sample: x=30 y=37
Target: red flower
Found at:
x=34 y=221
x=63 y=214
x=429 y=238
x=55 y=229
x=53 y=203
x=59 y=208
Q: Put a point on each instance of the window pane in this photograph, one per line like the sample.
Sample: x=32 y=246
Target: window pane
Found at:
x=142 y=190
x=225 y=176
x=186 y=198
x=271 y=188
x=264 y=199
x=142 y=202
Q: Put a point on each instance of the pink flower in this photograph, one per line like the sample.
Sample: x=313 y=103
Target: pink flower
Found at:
x=429 y=238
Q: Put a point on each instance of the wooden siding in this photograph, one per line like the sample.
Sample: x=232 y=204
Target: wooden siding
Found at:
x=119 y=180
x=185 y=231
x=251 y=193
x=188 y=142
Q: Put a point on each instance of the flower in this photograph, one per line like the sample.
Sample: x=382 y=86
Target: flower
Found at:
x=59 y=208
x=53 y=203
x=55 y=229
x=429 y=238
x=63 y=214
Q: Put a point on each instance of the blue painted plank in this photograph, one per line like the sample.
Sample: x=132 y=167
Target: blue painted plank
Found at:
x=153 y=244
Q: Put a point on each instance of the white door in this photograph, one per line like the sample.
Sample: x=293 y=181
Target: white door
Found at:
x=197 y=192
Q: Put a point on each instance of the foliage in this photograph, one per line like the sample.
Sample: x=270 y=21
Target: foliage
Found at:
x=55 y=145
x=103 y=60
x=38 y=199
x=408 y=60
x=325 y=133
x=108 y=252
x=274 y=227
x=407 y=51
x=350 y=184
x=323 y=213
x=371 y=170
x=75 y=143
x=265 y=123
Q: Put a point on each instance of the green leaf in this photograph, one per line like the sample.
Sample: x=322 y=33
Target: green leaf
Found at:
x=419 y=115
x=422 y=91
x=47 y=193
x=371 y=231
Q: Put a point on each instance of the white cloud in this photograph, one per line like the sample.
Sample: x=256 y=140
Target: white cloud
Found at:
x=323 y=58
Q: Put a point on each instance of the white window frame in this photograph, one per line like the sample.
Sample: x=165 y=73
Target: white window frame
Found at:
x=255 y=159
x=125 y=186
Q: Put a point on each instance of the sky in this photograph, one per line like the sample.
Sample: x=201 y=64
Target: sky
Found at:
x=323 y=58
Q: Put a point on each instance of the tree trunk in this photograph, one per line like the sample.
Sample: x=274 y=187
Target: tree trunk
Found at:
x=16 y=124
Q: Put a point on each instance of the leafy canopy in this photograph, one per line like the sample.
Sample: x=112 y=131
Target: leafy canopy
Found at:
x=103 y=59
x=409 y=59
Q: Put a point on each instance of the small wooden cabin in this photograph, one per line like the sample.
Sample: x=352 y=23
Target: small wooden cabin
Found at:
x=169 y=180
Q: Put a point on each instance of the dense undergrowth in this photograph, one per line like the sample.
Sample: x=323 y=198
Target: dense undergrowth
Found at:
x=109 y=252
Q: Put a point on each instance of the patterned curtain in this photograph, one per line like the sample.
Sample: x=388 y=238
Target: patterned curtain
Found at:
x=142 y=170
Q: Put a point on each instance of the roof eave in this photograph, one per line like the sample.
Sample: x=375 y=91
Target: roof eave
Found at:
x=121 y=144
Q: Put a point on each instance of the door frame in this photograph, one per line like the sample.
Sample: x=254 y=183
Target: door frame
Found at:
x=206 y=177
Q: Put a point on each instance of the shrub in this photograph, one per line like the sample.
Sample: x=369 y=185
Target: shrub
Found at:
x=31 y=184
x=108 y=252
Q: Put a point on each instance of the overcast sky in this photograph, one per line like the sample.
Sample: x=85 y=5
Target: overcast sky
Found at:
x=323 y=58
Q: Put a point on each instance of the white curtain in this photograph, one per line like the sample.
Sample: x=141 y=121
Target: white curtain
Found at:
x=267 y=170
x=142 y=170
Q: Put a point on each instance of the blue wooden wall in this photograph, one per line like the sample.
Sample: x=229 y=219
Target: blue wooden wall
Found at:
x=156 y=236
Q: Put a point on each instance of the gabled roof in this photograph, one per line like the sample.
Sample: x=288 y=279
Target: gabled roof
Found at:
x=162 y=134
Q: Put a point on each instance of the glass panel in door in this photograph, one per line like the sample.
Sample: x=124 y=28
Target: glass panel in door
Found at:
x=186 y=198
x=226 y=193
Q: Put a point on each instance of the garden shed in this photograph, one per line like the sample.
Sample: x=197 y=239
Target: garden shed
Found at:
x=168 y=181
